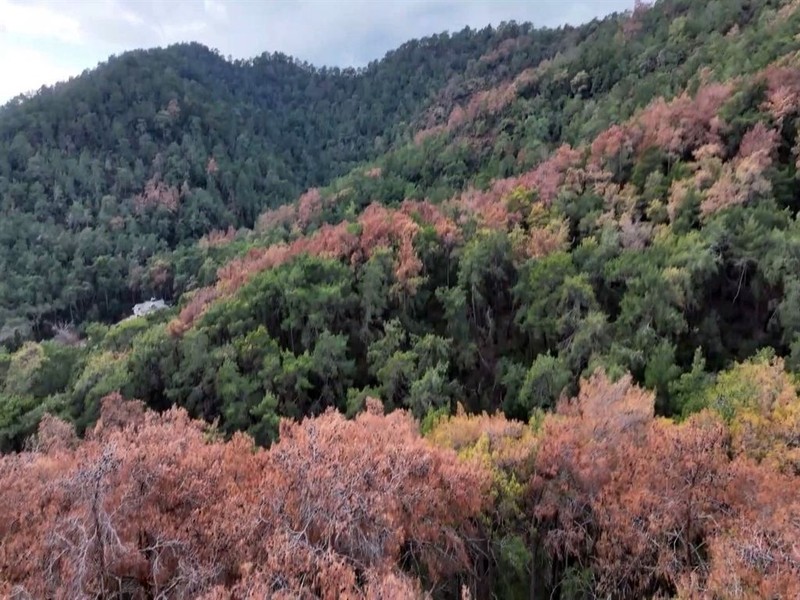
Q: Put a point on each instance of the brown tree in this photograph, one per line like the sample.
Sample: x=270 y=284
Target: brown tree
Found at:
x=661 y=507
x=155 y=505
x=582 y=446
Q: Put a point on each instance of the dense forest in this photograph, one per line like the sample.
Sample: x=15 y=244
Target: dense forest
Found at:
x=510 y=313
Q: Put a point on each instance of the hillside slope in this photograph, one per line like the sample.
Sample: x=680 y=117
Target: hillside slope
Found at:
x=155 y=149
x=109 y=173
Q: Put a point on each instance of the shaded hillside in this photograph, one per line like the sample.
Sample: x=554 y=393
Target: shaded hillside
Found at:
x=110 y=172
x=156 y=148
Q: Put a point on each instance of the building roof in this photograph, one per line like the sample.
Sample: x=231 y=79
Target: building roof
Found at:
x=144 y=308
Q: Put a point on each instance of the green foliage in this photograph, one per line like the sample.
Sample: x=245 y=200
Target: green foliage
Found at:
x=112 y=177
x=101 y=374
x=432 y=418
x=23 y=366
x=19 y=417
x=513 y=564
x=541 y=291
x=660 y=370
x=105 y=204
x=734 y=390
x=687 y=391
x=542 y=386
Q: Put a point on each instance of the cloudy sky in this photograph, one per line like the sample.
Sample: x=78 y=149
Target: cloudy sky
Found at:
x=44 y=41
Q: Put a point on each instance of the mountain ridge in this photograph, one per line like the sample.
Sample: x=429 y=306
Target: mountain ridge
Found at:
x=157 y=118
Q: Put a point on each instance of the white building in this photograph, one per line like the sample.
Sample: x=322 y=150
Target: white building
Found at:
x=145 y=308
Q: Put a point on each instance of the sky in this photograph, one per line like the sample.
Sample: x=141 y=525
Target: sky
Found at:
x=45 y=41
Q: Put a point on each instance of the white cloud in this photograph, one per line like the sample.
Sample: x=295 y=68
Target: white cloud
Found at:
x=38 y=21
x=216 y=9
x=131 y=18
x=42 y=41
x=26 y=70
x=180 y=32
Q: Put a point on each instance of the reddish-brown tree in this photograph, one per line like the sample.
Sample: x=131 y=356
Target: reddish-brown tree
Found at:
x=685 y=123
x=137 y=508
x=614 y=147
x=380 y=228
x=283 y=216
x=309 y=206
x=783 y=91
x=661 y=507
x=157 y=193
x=217 y=238
x=582 y=446
x=157 y=506
x=490 y=207
x=744 y=178
x=755 y=553
x=444 y=226
x=212 y=168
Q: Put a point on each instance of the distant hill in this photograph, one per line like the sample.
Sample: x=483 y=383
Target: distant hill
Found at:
x=168 y=172
x=157 y=148
x=109 y=172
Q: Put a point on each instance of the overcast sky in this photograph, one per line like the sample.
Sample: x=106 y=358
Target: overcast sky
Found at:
x=44 y=41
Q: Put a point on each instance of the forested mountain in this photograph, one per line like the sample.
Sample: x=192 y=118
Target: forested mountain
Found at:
x=156 y=148
x=509 y=313
x=152 y=150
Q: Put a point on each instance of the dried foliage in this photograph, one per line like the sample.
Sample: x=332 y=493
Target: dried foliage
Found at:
x=744 y=178
x=423 y=134
x=157 y=193
x=654 y=505
x=308 y=207
x=380 y=227
x=755 y=554
x=487 y=207
x=66 y=334
x=283 y=216
x=153 y=506
x=432 y=214
x=217 y=238
x=633 y=24
x=491 y=207
x=614 y=143
x=783 y=92
x=386 y=228
x=659 y=507
x=194 y=309
x=579 y=452
x=686 y=123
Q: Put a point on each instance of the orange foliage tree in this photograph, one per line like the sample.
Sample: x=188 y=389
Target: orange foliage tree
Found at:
x=783 y=92
x=157 y=193
x=744 y=178
x=377 y=227
x=153 y=505
x=756 y=553
x=653 y=507
x=686 y=123
x=658 y=511
x=578 y=454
